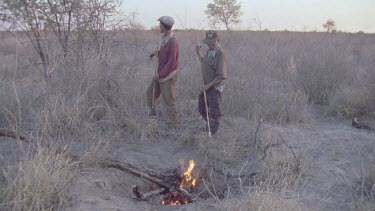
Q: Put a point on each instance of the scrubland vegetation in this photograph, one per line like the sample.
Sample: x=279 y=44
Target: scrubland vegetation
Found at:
x=92 y=99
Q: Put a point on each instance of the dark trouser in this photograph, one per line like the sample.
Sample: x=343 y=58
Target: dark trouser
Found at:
x=167 y=91
x=214 y=110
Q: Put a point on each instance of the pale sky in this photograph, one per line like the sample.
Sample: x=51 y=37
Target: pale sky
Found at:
x=296 y=15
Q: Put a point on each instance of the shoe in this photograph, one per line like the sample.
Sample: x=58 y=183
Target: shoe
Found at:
x=214 y=126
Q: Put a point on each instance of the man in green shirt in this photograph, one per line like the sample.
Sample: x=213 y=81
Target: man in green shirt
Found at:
x=214 y=72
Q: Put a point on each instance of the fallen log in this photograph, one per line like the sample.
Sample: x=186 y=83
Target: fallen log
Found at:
x=12 y=134
x=361 y=125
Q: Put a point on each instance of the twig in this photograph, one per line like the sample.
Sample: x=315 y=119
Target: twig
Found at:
x=144 y=196
x=270 y=145
x=256 y=133
x=209 y=191
x=290 y=148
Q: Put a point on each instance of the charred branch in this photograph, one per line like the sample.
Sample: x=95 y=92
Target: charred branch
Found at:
x=145 y=196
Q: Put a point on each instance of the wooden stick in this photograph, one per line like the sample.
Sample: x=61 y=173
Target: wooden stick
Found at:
x=135 y=171
x=186 y=194
x=205 y=98
x=156 y=72
x=198 y=44
x=145 y=196
x=207 y=116
x=256 y=133
x=12 y=134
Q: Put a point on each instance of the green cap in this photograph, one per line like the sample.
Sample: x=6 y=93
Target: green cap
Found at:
x=211 y=37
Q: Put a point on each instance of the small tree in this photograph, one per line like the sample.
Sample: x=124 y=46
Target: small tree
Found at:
x=330 y=25
x=224 y=11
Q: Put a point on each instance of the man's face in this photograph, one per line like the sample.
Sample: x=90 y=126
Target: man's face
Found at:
x=213 y=46
x=161 y=27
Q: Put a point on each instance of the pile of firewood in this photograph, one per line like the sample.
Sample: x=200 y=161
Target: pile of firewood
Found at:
x=169 y=184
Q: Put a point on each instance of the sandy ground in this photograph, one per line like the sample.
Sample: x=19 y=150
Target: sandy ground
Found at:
x=337 y=155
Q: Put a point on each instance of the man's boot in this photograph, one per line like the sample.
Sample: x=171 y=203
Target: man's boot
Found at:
x=214 y=126
x=151 y=112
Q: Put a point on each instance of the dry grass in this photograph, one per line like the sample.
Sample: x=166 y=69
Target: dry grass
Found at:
x=274 y=188
x=363 y=190
x=283 y=170
x=352 y=101
x=262 y=200
x=39 y=182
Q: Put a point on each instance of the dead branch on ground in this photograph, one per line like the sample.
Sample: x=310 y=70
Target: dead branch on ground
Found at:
x=12 y=134
x=362 y=125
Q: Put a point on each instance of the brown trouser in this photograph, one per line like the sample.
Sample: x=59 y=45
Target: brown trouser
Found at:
x=214 y=110
x=167 y=91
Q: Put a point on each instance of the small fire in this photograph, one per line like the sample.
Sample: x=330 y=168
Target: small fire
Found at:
x=187 y=178
x=188 y=182
x=175 y=199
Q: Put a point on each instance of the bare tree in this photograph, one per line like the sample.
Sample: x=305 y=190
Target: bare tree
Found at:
x=224 y=11
x=27 y=16
x=330 y=25
x=59 y=17
x=93 y=23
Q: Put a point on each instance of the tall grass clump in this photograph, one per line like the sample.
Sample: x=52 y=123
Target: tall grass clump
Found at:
x=356 y=97
x=363 y=190
x=321 y=68
x=277 y=185
x=352 y=101
x=39 y=183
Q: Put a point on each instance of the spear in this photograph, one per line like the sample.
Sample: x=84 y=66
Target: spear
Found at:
x=205 y=97
x=156 y=71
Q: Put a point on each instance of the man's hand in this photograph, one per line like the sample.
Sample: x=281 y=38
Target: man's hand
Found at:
x=153 y=54
x=156 y=77
x=205 y=87
x=197 y=49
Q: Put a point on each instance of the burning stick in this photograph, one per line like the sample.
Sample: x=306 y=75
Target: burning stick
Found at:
x=186 y=194
x=145 y=196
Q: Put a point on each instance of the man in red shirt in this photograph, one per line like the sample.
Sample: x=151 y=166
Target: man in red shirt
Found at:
x=164 y=81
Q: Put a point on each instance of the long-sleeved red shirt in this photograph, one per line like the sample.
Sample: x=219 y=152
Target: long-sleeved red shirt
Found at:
x=168 y=58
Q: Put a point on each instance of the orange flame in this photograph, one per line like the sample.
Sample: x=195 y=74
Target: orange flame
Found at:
x=188 y=180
